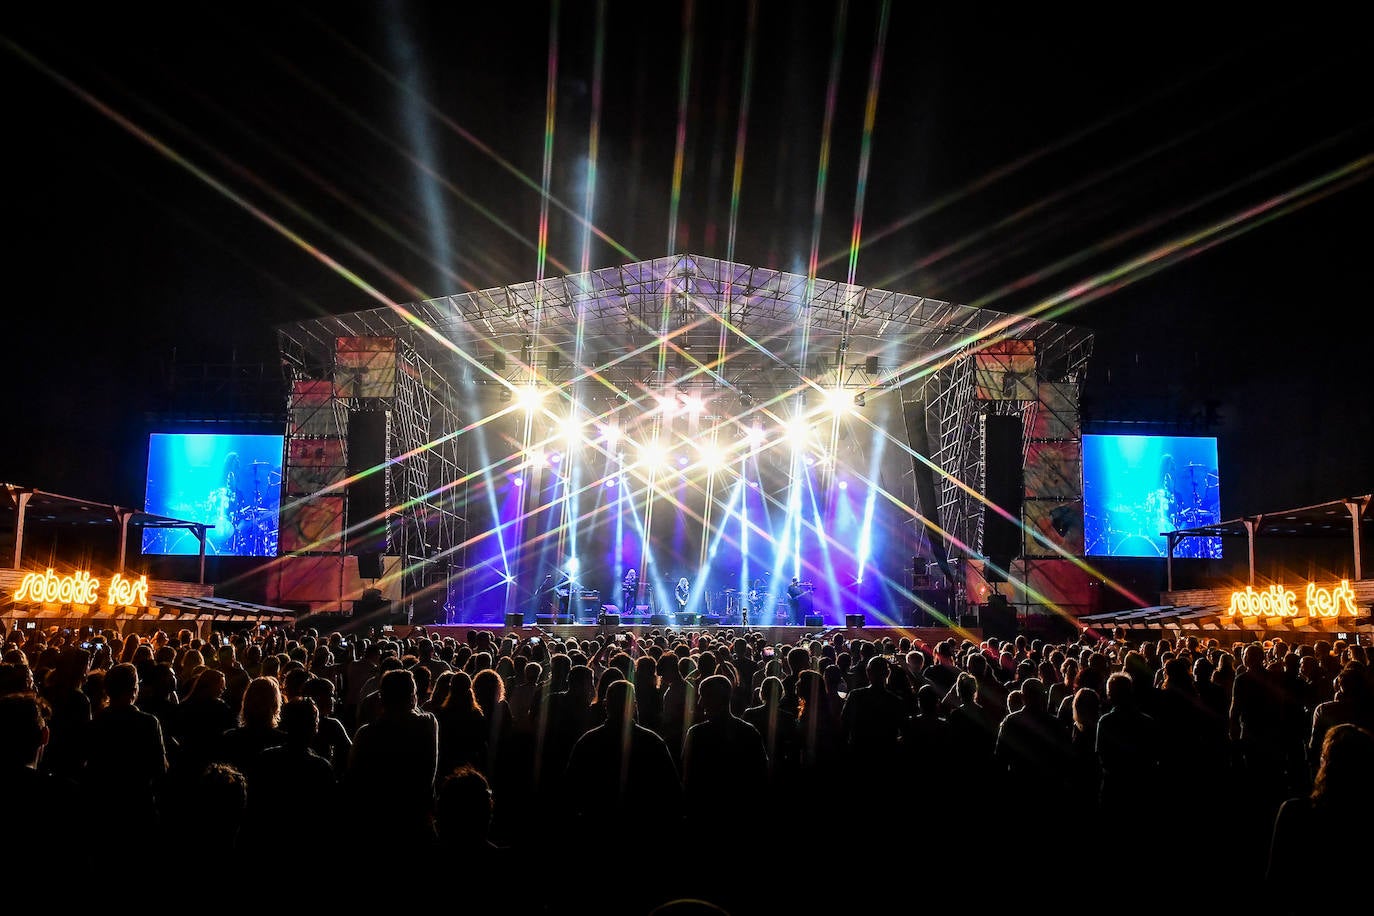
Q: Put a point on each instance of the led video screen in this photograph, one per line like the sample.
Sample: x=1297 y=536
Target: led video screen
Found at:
x=1136 y=488
x=230 y=481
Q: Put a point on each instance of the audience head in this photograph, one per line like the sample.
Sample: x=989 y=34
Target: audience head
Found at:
x=580 y=683
x=23 y=730
x=770 y=691
x=261 y=703
x=489 y=690
x=300 y=719
x=121 y=684
x=1347 y=759
x=620 y=703
x=397 y=691
x=928 y=700
x=966 y=686
x=460 y=696
x=1120 y=690
x=464 y=807
x=714 y=696
x=877 y=671
x=1087 y=706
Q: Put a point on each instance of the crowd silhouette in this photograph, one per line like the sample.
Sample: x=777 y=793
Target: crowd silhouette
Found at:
x=709 y=764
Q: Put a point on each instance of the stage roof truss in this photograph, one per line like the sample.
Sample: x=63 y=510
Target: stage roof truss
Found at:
x=758 y=303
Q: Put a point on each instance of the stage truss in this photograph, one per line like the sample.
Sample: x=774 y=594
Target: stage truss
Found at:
x=686 y=322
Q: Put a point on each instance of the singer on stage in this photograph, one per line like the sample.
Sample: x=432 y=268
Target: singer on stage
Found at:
x=629 y=589
x=684 y=589
x=794 y=593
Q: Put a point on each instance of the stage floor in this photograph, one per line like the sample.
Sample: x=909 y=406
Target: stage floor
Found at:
x=788 y=635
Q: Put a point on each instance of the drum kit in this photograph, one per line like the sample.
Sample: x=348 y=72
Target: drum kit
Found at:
x=254 y=524
x=747 y=606
x=1136 y=530
x=1198 y=513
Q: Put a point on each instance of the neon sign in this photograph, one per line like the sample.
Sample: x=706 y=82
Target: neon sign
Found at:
x=1277 y=601
x=81 y=588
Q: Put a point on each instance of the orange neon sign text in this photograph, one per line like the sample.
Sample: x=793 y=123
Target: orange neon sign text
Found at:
x=1277 y=601
x=81 y=588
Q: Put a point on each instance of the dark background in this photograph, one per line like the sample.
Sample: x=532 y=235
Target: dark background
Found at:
x=1014 y=157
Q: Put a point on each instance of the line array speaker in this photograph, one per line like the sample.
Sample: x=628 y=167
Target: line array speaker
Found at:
x=1002 y=474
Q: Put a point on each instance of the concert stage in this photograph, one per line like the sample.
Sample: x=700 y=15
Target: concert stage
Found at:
x=662 y=416
x=786 y=635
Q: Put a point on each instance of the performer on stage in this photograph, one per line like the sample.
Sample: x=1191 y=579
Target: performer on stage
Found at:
x=1162 y=503
x=225 y=504
x=794 y=593
x=754 y=604
x=684 y=589
x=629 y=590
x=564 y=590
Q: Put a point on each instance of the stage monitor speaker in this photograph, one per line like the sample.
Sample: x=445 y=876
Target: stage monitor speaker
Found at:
x=372 y=607
x=814 y=620
x=369 y=565
x=687 y=619
x=1002 y=468
x=658 y=620
x=641 y=610
x=609 y=620
x=553 y=619
x=710 y=620
x=998 y=618
x=854 y=620
x=515 y=621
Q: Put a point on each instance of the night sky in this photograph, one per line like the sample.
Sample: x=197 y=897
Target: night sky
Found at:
x=1203 y=183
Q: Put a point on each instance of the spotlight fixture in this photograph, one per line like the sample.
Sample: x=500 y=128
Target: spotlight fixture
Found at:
x=711 y=456
x=570 y=429
x=652 y=455
x=798 y=432
x=839 y=400
x=860 y=400
x=529 y=397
